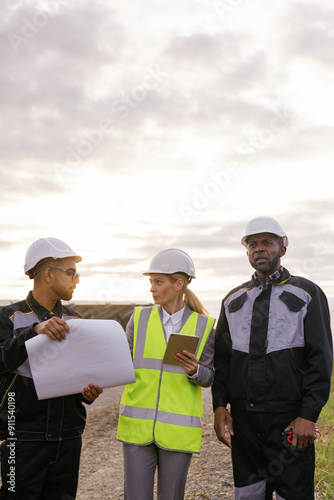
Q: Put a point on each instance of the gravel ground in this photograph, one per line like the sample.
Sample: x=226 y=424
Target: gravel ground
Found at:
x=101 y=470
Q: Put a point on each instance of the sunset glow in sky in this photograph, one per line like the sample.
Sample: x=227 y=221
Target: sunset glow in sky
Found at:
x=132 y=127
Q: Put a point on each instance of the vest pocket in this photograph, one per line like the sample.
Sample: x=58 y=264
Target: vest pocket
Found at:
x=286 y=323
x=293 y=302
x=237 y=303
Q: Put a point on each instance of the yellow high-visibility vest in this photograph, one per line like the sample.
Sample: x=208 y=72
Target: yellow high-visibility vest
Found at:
x=162 y=406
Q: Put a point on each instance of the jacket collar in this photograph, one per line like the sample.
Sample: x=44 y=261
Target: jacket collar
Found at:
x=280 y=280
x=41 y=311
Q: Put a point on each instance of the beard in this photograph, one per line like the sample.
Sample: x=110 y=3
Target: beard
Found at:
x=267 y=267
x=62 y=292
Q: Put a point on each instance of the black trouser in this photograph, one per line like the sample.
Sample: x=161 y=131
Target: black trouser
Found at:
x=40 y=470
x=260 y=456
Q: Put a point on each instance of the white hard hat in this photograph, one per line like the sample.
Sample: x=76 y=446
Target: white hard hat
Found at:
x=170 y=261
x=47 y=247
x=264 y=225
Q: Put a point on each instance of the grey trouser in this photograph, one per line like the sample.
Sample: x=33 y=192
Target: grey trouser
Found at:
x=140 y=463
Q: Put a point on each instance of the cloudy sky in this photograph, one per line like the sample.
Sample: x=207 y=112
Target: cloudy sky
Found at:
x=128 y=127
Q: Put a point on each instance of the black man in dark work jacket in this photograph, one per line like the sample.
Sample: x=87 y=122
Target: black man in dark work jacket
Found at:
x=273 y=364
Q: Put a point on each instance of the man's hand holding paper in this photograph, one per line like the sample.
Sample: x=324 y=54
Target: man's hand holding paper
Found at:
x=93 y=350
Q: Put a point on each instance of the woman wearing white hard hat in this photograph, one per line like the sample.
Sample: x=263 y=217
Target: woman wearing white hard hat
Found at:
x=160 y=415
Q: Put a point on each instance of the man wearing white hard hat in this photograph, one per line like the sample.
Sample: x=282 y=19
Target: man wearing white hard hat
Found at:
x=273 y=364
x=40 y=439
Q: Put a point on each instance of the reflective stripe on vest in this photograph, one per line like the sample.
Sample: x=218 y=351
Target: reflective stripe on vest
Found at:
x=163 y=406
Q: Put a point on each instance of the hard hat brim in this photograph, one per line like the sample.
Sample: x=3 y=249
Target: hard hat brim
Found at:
x=158 y=271
x=283 y=236
x=30 y=265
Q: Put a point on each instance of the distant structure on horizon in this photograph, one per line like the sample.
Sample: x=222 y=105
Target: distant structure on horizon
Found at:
x=118 y=311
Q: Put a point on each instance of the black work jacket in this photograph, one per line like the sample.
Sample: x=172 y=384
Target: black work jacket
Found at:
x=20 y=410
x=273 y=347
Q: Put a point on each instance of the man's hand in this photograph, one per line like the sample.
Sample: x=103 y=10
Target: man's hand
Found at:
x=223 y=419
x=188 y=361
x=303 y=432
x=91 y=392
x=55 y=328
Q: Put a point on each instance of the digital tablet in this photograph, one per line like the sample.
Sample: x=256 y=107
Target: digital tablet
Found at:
x=179 y=342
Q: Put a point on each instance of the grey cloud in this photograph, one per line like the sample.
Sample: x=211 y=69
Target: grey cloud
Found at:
x=311 y=219
x=312 y=36
x=6 y=244
x=45 y=84
x=241 y=66
x=48 y=89
x=223 y=49
x=34 y=182
x=197 y=241
x=75 y=29
x=195 y=49
x=217 y=252
x=310 y=140
x=134 y=267
x=216 y=249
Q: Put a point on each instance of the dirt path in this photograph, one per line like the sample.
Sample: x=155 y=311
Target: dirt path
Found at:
x=101 y=470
